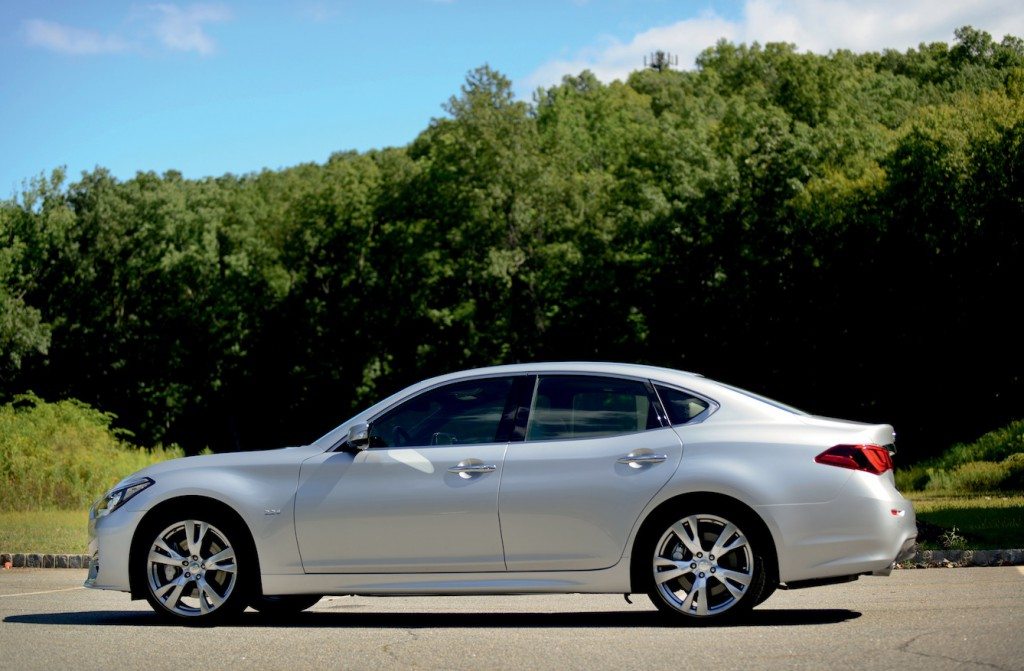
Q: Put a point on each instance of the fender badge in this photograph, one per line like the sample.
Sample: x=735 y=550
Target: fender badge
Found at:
x=272 y=511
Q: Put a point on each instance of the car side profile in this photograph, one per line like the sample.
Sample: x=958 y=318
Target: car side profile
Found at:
x=521 y=479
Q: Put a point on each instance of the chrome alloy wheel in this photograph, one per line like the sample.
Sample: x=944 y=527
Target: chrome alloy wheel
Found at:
x=191 y=568
x=703 y=565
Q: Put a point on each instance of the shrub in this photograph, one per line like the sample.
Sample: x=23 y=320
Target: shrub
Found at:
x=1014 y=471
x=974 y=476
x=64 y=454
x=993 y=446
x=913 y=479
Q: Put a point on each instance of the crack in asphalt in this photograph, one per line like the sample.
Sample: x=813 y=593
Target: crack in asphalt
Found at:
x=905 y=647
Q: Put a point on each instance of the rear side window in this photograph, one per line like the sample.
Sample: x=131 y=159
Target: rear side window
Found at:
x=569 y=406
x=682 y=407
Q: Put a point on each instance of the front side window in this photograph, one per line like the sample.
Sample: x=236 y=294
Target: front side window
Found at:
x=580 y=406
x=468 y=412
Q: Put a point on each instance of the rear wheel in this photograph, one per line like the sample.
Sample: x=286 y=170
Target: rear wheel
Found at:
x=195 y=568
x=705 y=568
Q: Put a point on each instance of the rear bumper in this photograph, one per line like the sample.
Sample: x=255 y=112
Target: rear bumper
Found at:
x=907 y=551
x=865 y=530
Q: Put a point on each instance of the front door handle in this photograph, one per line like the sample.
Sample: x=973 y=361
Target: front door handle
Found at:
x=636 y=460
x=467 y=468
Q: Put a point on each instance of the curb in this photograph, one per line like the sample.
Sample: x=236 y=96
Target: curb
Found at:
x=959 y=558
x=40 y=560
x=922 y=559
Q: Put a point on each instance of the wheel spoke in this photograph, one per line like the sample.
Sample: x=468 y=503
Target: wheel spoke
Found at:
x=194 y=537
x=676 y=569
x=226 y=553
x=691 y=542
x=227 y=568
x=736 y=592
x=695 y=590
x=735 y=576
x=172 y=600
x=727 y=532
x=157 y=558
x=665 y=576
x=208 y=597
x=701 y=600
x=173 y=554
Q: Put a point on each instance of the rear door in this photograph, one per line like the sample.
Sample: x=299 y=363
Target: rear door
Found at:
x=595 y=453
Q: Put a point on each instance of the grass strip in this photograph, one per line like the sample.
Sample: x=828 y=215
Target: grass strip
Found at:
x=44 y=531
x=987 y=521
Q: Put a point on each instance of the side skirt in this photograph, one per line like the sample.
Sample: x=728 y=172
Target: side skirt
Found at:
x=614 y=580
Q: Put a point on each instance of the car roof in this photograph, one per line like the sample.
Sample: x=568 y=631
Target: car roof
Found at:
x=632 y=369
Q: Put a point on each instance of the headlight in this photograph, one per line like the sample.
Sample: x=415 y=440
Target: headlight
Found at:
x=116 y=498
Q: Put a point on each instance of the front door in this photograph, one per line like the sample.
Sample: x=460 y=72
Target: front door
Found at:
x=422 y=498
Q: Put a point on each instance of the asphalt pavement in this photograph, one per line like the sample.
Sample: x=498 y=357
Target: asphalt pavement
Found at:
x=970 y=618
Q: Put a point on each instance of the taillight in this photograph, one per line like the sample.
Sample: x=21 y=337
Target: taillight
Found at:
x=871 y=458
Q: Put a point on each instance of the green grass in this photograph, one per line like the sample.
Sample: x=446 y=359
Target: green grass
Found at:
x=987 y=521
x=47 y=531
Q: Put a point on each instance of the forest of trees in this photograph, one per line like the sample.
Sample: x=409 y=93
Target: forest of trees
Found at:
x=842 y=232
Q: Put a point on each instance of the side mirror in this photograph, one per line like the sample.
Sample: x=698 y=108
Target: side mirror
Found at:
x=358 y=436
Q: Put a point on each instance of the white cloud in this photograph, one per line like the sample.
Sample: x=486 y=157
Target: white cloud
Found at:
x=813 y=25
x=70 y=40
x=181 y=28
x=167 y=26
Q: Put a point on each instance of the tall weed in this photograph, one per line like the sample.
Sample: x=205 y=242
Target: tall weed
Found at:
x=64 y=454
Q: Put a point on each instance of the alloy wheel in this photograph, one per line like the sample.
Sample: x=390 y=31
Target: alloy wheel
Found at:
x=703 y=565
x=191 y=568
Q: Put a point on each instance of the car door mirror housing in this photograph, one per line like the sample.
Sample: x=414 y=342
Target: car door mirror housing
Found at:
x=358 y=437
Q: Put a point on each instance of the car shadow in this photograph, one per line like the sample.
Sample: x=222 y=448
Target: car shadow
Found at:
x=429 y=620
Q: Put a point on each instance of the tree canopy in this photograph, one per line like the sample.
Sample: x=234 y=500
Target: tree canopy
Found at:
x=843 y=232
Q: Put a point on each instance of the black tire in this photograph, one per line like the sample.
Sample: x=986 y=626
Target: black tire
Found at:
x=766 y=591
x=207 y=595
x=287 y=604
x=687 y=582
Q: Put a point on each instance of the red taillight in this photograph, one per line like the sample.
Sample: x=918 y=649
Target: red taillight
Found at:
x=870 y=458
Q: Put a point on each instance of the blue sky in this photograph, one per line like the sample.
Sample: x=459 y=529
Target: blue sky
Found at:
x=236 y=86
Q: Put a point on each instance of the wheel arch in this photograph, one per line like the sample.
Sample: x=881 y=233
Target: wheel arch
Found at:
x=639 y=574
x=138 y=546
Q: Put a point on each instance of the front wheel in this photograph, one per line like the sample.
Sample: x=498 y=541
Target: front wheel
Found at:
x=195 y=569
x=705 y=568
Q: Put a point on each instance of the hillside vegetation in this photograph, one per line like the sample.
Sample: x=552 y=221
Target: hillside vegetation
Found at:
x=838 y=231
x=993 y=462
x=63 y=455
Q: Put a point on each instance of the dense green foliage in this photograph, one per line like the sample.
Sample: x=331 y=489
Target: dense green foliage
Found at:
x=63 y=455
x=993 y=462
x=841 y=232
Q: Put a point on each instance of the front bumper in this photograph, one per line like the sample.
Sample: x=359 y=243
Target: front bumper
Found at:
x=110 y=542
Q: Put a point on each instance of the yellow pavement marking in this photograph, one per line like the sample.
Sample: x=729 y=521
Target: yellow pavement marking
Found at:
x=45 y=591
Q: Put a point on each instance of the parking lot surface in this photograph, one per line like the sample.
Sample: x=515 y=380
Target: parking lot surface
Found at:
x=970 y=618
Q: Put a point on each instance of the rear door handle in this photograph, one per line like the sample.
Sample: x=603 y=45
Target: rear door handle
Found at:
x=638 y=460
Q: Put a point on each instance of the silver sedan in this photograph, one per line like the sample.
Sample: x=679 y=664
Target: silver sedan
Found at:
x=532 y=478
